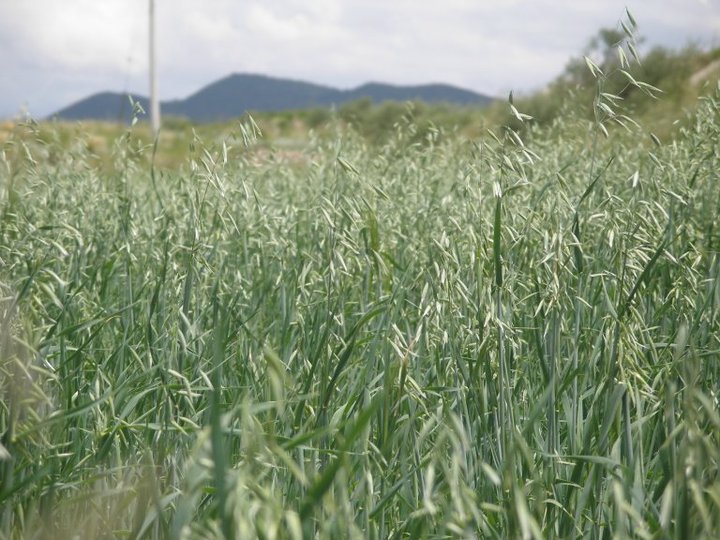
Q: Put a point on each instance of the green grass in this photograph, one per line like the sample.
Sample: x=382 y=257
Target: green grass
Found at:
x=429 y=339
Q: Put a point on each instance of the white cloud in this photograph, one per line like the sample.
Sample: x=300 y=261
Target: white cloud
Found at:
x=276 y=26
x=82 y=35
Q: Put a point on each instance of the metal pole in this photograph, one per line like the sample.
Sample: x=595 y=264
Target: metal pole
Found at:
x=154 y=103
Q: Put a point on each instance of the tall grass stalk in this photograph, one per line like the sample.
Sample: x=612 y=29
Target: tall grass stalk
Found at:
x=515 y=337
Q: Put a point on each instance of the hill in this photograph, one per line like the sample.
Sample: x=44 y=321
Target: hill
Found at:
x=236 y=94
x=112 y=106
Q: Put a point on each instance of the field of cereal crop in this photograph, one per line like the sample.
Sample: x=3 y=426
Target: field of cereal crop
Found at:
x=510 y=337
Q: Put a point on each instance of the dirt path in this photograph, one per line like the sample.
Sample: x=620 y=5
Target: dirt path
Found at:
x=700 y=75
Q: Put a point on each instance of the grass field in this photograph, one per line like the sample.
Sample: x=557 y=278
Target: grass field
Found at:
x=433 y=338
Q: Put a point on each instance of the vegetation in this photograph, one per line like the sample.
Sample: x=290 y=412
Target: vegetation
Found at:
x=669 y=72
x=513 y=336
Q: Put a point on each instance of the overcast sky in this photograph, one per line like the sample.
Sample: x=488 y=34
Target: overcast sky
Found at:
x=55 y=52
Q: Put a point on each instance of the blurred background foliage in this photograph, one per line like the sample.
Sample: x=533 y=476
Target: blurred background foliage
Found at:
x=681 y=75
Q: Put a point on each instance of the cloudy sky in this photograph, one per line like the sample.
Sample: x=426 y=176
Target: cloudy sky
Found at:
x=55 y=52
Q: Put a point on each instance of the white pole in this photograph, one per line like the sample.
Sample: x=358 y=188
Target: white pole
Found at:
x=154 y=103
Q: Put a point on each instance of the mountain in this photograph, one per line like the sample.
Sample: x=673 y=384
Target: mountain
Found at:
x=103 y=106
x=236 y=94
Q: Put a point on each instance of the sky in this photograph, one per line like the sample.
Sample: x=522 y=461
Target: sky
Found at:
x=56 y=52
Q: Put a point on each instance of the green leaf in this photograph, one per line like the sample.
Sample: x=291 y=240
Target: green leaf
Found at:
x=497 y=247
